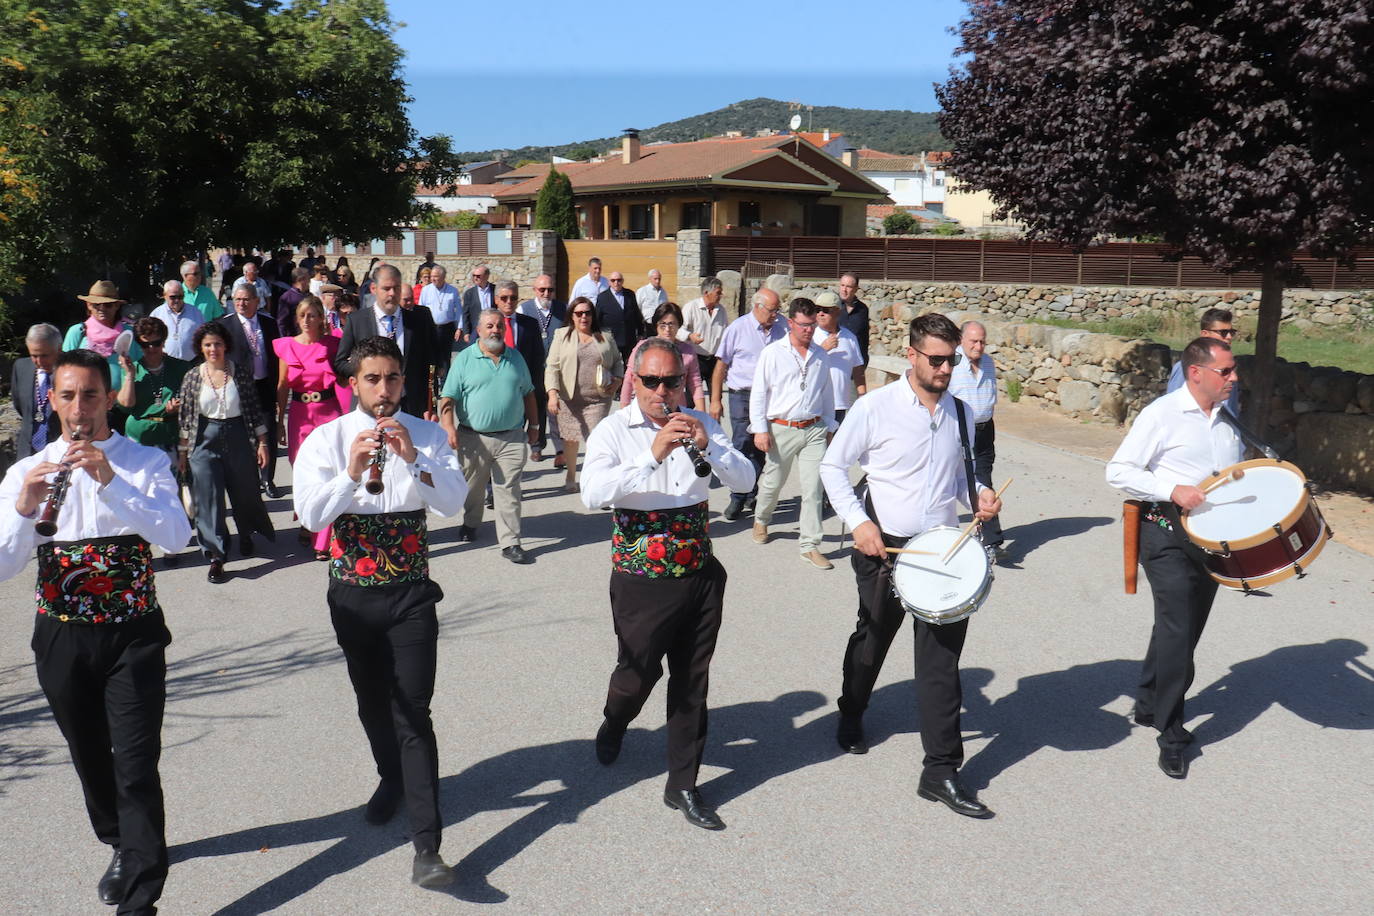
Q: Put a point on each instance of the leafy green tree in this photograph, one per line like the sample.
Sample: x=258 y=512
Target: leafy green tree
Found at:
x=899 y=222
x=581 y=153
x=139 y=130
x=451 y=219
x=553 y=209
x=1237 y=131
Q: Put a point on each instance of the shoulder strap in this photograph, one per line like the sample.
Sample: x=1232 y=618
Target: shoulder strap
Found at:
x=1246 y=436
x=968 y=456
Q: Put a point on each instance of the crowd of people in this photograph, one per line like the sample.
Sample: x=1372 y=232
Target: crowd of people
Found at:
x=396 y=399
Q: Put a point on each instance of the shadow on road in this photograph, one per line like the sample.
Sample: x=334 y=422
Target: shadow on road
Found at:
x=1026 y=538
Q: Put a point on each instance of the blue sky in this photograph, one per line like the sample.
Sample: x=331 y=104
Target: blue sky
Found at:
x=541 y=72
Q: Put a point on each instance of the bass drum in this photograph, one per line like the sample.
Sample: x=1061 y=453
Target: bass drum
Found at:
x=939 y=592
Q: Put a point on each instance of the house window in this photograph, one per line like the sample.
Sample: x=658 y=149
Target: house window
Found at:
x=696 y=215
x=749 y=213
x=902 y=186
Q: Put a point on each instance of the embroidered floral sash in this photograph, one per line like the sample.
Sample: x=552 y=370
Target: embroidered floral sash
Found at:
x=106 y=580
x=662 y=543
x=382 y=549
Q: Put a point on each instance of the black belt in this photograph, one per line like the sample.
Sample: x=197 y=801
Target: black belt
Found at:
x=314 y=397
x=977 y=426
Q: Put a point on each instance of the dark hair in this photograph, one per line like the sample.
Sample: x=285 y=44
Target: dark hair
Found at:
x=665 y=310
x=1202 y=352
x=591 y=261
x=802 y=306
x=933 y=324
x=370 y=347
x=85 y=359
x=570 y=330
x=346 y=300
x=298 y=274
x=1214 y=316
x=150 y=327
x=341 y=262
x=212 y=329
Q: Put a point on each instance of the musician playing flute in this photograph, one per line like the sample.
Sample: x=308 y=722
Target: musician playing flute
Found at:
x=99 y=637
x=667 y=588
x=906 y=438
x=1178 y=440
x=381 y=599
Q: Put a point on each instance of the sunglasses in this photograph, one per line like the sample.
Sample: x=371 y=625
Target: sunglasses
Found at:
x=937 y=361
x=671 y=382
x=505 y=298
x=176 y=297
x=582 y=313
x=1226 y=333
x=543 y=289
x=1224 y=373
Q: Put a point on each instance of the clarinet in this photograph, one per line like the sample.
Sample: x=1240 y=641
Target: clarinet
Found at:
x=699 y=462
x=374 y=483
x=46 y=526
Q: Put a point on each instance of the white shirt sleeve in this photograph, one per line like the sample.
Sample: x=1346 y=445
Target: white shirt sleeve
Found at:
x=1129 y=469
x=845 y=451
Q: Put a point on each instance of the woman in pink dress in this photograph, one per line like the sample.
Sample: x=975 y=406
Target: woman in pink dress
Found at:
x=308 y=385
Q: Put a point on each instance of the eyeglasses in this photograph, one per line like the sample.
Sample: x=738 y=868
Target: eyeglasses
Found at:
x=616 y=280
x=803 y=327
x=1224 y=373
x=937 y=361
x=505 y=298
x=1226 y=333
x=543 y=289
x=582 y=313
x=176 y=297
x=671 y=382
x=668 y=325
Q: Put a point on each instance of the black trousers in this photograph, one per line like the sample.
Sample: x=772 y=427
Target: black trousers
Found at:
x=106 y=684
x=984 y=453
x=939 y=694
x=1183 y=594
x=267 y=402
x=679 y=619
x=446 y=333
x=742 y=439
x=389 y=635
x=708 y=368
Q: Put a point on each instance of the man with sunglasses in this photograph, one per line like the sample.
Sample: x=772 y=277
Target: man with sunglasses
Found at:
x=481 y=295
x=550 y=314
x=667 y=588
x=906 y=438
x=618 y=315
x=181 y=319
x=1216 y=324
x=1177 y=441
x=198 y=294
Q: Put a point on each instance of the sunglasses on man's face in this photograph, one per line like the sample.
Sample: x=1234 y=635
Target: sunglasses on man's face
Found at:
x=671 y=382
x=1226 y=333
x=937 y=361
x=1225 y=372
x=543 y=289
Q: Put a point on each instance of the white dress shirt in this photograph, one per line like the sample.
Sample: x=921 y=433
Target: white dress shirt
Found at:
x=842 y=360
x=443 y=302
x=915 y=473
x=1173 y=442
x=398 y=326
x=710 y=324
x=219 y=404
x=586 y=286
x=649 y=300
x=324 y=491
x=619 y=469
x=181 y=330
x=142 y=499
x=978 y=391
x=789 y=387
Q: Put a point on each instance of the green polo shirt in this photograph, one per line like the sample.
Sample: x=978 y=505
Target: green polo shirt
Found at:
x=488 y=395
x=208 y=303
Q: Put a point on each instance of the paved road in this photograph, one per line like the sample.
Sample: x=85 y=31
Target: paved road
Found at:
x=265 y=768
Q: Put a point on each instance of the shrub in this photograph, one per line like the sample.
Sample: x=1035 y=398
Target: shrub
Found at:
x=948 y=229
x=899 y=222
x=1013 y=389
x=554 y=207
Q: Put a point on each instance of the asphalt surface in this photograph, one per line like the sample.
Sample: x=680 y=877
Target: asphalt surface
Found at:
x=265 y=768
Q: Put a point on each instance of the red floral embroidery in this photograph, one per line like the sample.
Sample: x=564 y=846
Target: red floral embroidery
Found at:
x=665 y=542
x=381 y=549
x=100 y=582
x=365 y=567
x=656 y=550
x=411 y=543
x=97 y=585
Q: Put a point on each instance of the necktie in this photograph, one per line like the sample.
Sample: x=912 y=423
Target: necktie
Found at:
x=39 y=439
x=510 y=332
x=389 y=326
x=252 y=339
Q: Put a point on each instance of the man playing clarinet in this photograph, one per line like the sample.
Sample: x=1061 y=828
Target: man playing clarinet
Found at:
x=99 y=637
x=372 y=474
x=653 y=463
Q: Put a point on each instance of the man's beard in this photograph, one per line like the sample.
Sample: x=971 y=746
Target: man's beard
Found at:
x=383 y=408
x=493 y=345
x=937 y=385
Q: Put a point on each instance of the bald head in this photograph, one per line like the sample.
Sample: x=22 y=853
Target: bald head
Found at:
x=766 y=306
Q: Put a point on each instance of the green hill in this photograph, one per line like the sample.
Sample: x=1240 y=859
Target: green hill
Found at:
x=892 y=131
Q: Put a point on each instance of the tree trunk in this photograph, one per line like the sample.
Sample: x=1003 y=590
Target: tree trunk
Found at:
x=1266 y=350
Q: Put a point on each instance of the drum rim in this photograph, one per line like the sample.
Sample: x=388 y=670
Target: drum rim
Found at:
x=1278 y=575
x=1267 y=535
x=964 y=610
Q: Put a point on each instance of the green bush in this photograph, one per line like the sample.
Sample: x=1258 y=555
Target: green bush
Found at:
x=451 y=219
x=553 y=209
x=948 y=229
x=899 y=222
x=1013 y=389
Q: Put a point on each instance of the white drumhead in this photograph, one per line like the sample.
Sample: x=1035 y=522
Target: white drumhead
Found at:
x=928 y=584
x=1246 y=507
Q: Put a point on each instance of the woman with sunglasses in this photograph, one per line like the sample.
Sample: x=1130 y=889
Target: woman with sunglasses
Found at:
x=102 y=327
x=667 y=321
x=580 y=354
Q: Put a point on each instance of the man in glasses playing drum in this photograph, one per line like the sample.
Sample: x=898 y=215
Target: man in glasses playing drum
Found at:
x=1177 y=441
x=906 y=438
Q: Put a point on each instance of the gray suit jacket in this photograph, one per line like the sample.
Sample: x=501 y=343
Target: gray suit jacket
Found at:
x=21 y=390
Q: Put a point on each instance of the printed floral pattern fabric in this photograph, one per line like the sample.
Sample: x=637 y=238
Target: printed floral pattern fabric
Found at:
x=1155 y=517
x=382 y=549
x=662 y=543
x=96 y=582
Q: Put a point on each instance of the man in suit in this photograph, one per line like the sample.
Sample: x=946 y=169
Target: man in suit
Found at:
x=550 y=314
x=479 y=296
x=521 y=331
x=412 y=329
x=31 y=390
x=252 y=331
x=618 y=314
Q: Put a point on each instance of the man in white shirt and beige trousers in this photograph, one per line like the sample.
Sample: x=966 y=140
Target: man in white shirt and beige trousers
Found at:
x=791 y=414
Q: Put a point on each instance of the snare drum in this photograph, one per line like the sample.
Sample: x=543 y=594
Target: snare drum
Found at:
x=942 y=592
x=1260 y=529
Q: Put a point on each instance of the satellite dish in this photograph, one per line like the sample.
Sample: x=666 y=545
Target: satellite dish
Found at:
x=795 y=122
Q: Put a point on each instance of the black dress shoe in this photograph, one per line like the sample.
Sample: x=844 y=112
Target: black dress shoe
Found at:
x=733 y=510
x=697 y=812
x=1173 y=763
x=952 y=794
x=466 y=534
x=246 y=545
x=381 y=807
x=608 y=740
x=111 y=886
x=429 y=870
x=270 y=490
x=850 y=735
x=216 y=572
x=517 y=555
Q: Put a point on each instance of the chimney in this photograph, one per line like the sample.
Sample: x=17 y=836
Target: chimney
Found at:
x=850 y=157
x=629 y=145
x=825 y=136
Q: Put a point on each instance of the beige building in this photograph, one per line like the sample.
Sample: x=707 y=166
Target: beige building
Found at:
x=974 y=209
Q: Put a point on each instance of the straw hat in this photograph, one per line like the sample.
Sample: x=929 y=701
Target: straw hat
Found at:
x=103 y=291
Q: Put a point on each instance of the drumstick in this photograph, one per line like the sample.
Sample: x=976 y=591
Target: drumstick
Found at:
x=919 y=553
x=969 y=530
x=1237 y=474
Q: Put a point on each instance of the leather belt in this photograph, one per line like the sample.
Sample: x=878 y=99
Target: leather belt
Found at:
x=795 y=424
